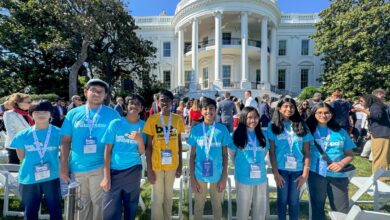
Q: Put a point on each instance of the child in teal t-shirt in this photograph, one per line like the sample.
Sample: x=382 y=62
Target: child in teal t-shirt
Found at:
x=209 y=159
x=249 y=150
x=38 y=147
x=122 y=162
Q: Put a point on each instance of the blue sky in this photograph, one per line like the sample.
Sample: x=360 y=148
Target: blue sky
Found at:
x=154 y=7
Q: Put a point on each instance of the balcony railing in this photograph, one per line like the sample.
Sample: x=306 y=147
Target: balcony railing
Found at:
x=231 y=85
x=284 y=92
x=230 y=41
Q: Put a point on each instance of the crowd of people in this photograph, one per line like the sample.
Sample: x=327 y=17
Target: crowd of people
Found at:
x=101 y=146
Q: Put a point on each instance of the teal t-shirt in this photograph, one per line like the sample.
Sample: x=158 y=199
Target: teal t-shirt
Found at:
x=336 y=144
x=282 y=146
x=220 y=139
x=25 y=140
x=124 y=150
x=76 y=126
x=245 y=157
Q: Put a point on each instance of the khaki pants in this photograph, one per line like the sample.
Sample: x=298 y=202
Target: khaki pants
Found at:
x=200 y=199
x=91 y=194
x=380 y=154
x=162 y=193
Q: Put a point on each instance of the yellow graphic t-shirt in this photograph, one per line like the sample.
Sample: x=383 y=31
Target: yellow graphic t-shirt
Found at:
x=153 y=127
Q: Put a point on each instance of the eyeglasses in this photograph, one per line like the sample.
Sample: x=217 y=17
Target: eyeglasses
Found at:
x=96 y=91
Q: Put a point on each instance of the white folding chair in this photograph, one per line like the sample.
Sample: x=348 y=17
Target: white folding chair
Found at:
x=355 y=213
x=143 y=181
x=9 y=180
x=178 y=185
x=379 y=190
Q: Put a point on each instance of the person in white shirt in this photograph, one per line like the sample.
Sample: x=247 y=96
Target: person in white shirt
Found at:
x=249 y=101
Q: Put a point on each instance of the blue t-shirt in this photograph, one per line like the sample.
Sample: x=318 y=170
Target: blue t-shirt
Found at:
x=25 y=140
x=245 y=157
x=76 y=126
x=339 y=141
x=282 y=147
x=220 y=139
x=124 y=150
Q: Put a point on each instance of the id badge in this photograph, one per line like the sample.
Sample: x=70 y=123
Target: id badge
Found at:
x=41 y=171
x=90 y=145
x=291 y=162
x=255 y=171
x=207 y=168
x=322 y=167
x=166 y=157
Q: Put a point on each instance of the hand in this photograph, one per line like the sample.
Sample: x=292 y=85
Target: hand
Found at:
x=279 y=180
x=151 y=176
x=64 y=174
x=106 y=184
x=136 y=135
x=179 y=170
x=301 y=180
x=336 y=166
x=221 y=185
x=195 y=185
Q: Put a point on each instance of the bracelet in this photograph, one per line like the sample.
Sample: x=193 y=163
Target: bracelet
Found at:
x=306 y=167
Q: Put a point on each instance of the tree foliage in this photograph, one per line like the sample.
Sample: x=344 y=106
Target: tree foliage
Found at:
x=353 y=36
x=46 y=46
x=307 y=92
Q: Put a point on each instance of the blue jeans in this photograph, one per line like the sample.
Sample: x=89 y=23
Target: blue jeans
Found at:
x=32 y=197
x=288 y=194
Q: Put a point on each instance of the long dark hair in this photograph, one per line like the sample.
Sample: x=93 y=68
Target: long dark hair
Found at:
x=312 y=121
x=240 y=135
x=371 y=99
x=298 y=125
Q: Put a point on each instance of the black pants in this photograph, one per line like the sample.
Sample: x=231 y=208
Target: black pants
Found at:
x=32 y=197
x=335 y=188
x=13 y=156
x=124 y=194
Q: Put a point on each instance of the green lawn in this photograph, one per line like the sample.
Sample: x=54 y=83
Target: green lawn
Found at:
x=363 y=169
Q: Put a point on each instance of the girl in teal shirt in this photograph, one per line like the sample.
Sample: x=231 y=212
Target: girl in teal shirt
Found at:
x=249 y=151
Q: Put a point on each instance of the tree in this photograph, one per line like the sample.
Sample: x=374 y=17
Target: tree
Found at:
x=307 y=93
x=47 y=44
x=353 y=36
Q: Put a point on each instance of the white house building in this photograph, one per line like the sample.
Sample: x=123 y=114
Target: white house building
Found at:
x=212 y=46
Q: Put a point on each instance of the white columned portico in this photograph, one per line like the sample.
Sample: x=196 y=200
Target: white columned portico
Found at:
x=218 y=50
x=180 y=57
x=194 y=65
x=264 y=53
x=273 y=56
x=245 y=84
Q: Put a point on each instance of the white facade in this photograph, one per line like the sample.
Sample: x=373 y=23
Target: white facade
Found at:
x=238 y=45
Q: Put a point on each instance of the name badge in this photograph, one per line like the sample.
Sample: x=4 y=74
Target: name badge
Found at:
x=207 y=168
x=41 y=171
x=255 y=171
x=322 y=167
x=90 y=145
x=166 y=157
x=291 y=162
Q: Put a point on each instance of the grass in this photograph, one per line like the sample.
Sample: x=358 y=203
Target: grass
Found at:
x=363 y=167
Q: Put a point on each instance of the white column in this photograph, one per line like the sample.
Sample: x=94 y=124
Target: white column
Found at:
x=218 y=49
x=194 y=48
x=273 y=57
x=264 y=53
x=180 y=57
x=245 y=84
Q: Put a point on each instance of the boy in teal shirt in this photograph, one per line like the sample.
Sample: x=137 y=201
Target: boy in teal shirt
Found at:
x=209 y=159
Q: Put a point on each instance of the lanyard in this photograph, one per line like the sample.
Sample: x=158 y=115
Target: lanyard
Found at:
x=207 y=142
x=165 y=130
x=91 y=123
x=253 y=142
x=290 y=138
x=323 y=142
x=41 y=149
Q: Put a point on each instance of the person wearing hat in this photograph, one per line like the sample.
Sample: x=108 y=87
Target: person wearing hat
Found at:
x=82 y=131
x=37 y=147
x=315 y=100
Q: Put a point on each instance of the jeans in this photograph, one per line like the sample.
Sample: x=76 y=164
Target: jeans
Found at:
x=288 y=194
x=124 y=194
x=335 y=188
x=32 y=197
